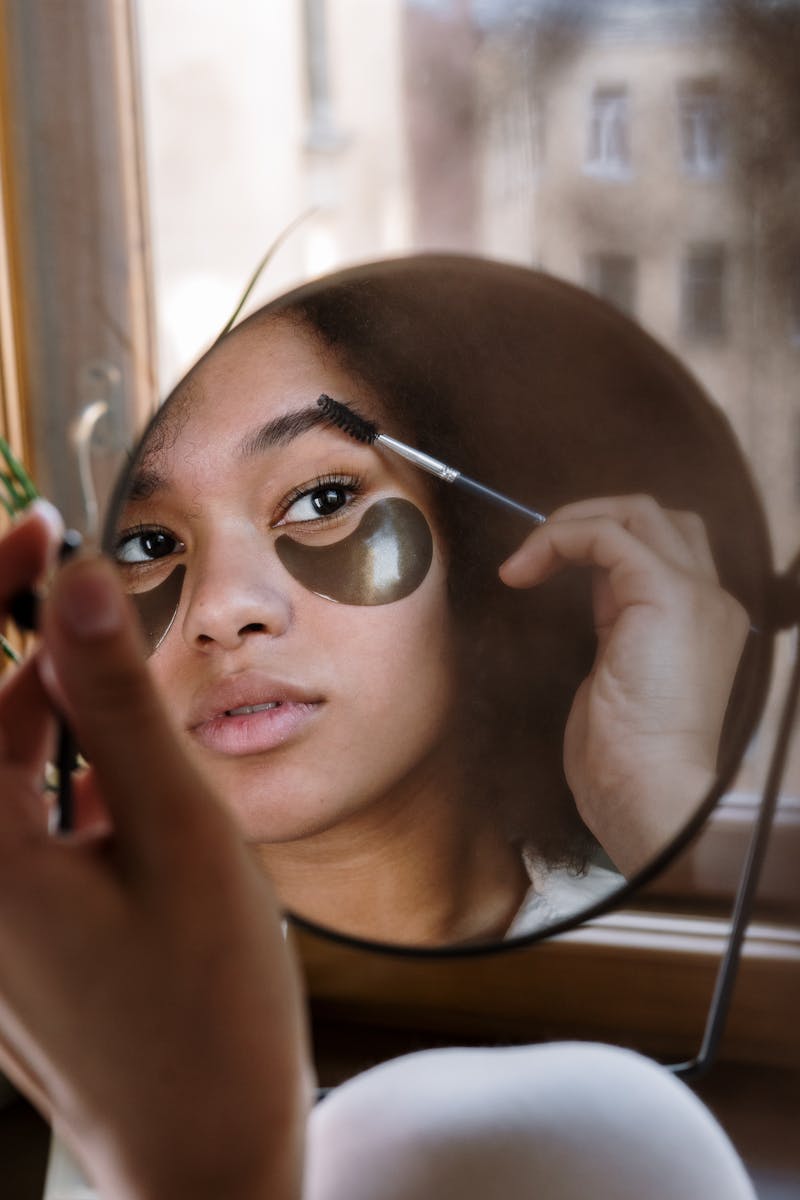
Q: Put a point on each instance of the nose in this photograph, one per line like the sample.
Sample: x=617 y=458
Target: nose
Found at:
x=236 y=591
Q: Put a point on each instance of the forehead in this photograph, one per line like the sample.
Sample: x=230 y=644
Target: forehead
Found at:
x=263 y=370
x=255 y=391
x=258 y=372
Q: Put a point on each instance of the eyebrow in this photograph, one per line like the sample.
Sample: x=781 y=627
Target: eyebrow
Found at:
x=144 y=484
x=281 y=430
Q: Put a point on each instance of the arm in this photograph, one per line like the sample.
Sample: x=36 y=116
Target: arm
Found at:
x=641 y=743
x=148 y=1003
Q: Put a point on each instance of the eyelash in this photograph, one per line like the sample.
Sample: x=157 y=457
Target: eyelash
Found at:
x=350 y=483
x=140 y=531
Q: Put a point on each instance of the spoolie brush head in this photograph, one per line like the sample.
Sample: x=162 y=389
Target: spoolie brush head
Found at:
x=347 y=420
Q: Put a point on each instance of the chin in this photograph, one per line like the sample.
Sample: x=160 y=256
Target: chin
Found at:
x=278 y=809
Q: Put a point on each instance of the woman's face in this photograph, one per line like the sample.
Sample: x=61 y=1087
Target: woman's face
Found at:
x=353 y=701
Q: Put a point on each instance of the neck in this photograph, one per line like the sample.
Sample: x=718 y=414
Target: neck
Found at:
x=423 y=870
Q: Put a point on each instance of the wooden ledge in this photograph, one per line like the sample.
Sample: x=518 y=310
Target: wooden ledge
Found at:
x=639 y=979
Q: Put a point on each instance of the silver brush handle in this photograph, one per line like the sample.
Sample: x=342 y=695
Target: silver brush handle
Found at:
x=450 y=475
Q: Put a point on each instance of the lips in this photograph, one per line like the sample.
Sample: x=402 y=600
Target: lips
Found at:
x=251 y=713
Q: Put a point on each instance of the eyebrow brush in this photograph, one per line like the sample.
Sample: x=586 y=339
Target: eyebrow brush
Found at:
x=366 y=431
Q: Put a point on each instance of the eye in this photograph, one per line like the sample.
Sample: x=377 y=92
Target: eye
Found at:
x=146 y=545
x=315 y=503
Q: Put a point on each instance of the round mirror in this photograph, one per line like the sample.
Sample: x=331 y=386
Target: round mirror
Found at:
x=425 y=752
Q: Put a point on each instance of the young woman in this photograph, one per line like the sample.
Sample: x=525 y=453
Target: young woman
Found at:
x=436 y=759
x=149 y=1006
x=148 y=1003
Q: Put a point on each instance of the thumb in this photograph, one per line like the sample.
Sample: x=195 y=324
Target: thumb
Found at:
x=92 y=640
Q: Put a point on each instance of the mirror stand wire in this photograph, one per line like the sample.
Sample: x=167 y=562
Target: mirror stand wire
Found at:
x=789 y=585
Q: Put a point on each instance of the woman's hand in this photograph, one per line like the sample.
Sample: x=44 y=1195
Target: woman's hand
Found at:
x=148 y=1003
x=640 y=747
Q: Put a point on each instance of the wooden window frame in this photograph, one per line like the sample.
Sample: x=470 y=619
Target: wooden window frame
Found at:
x=644 y=977
x=75 y=266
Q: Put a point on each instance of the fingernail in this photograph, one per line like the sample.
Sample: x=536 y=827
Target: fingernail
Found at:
x=89 y=603
x=47 y=673
x=52 y=518
x=49 y=514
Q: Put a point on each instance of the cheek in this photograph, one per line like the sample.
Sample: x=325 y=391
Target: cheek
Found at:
x=399 y=658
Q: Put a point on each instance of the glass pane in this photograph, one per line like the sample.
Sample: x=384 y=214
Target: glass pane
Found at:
x=646 y=150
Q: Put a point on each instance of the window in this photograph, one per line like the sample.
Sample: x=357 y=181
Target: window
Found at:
x=701 y=126
x=75 y=231
x=512 y=136
x=323 y=133
x=608 y=147
x=374 y=196
x=613 y=277
x=702 y=287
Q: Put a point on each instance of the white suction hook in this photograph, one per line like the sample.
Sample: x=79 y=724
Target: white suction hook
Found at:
x=98 y=383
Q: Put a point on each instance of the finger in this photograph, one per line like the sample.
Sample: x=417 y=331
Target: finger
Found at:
x=29 y=548
x=23 y=814
x=647 y=520
x=636 y=574
x=154 y=797
x=26 y=719
x=91 y=811
x=24 y=1078
x=693 y=529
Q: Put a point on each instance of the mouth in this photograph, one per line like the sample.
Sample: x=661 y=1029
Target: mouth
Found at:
x=246 y=709
x=233 y=718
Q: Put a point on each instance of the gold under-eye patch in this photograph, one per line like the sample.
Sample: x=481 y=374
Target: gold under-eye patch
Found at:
x=385 y=558
x=157 y=608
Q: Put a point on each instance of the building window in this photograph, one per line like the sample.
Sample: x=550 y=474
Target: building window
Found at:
x=703 y=292
x=613 y=277
x=701 y=126
x=323 y=132
x=512 y=133
x=608 y=145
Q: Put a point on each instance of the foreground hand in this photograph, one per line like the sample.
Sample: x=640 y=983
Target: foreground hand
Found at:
x=148 y=1003
x=641 y=743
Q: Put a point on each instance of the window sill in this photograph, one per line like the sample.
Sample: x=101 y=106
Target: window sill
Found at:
x=708 y=871
x=638 y=979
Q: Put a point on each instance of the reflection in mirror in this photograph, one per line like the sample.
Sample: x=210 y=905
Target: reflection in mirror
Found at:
x=421 y=750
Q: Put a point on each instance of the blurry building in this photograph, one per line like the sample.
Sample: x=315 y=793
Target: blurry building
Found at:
x=646 y=149
x=631 y=148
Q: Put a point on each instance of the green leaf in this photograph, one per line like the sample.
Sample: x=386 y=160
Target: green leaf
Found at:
x=254 y=278
x=9 y=650
x=17 y=469
x=18 y=483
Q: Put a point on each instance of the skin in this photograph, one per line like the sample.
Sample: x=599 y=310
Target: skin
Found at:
x=358 y=815
x=155 y=887
x=640 y=746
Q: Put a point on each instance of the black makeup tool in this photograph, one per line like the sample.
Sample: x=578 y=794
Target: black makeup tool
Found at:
x=24 y=611
x=365 y=431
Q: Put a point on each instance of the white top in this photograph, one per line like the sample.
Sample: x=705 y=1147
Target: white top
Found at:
x=558 y=893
